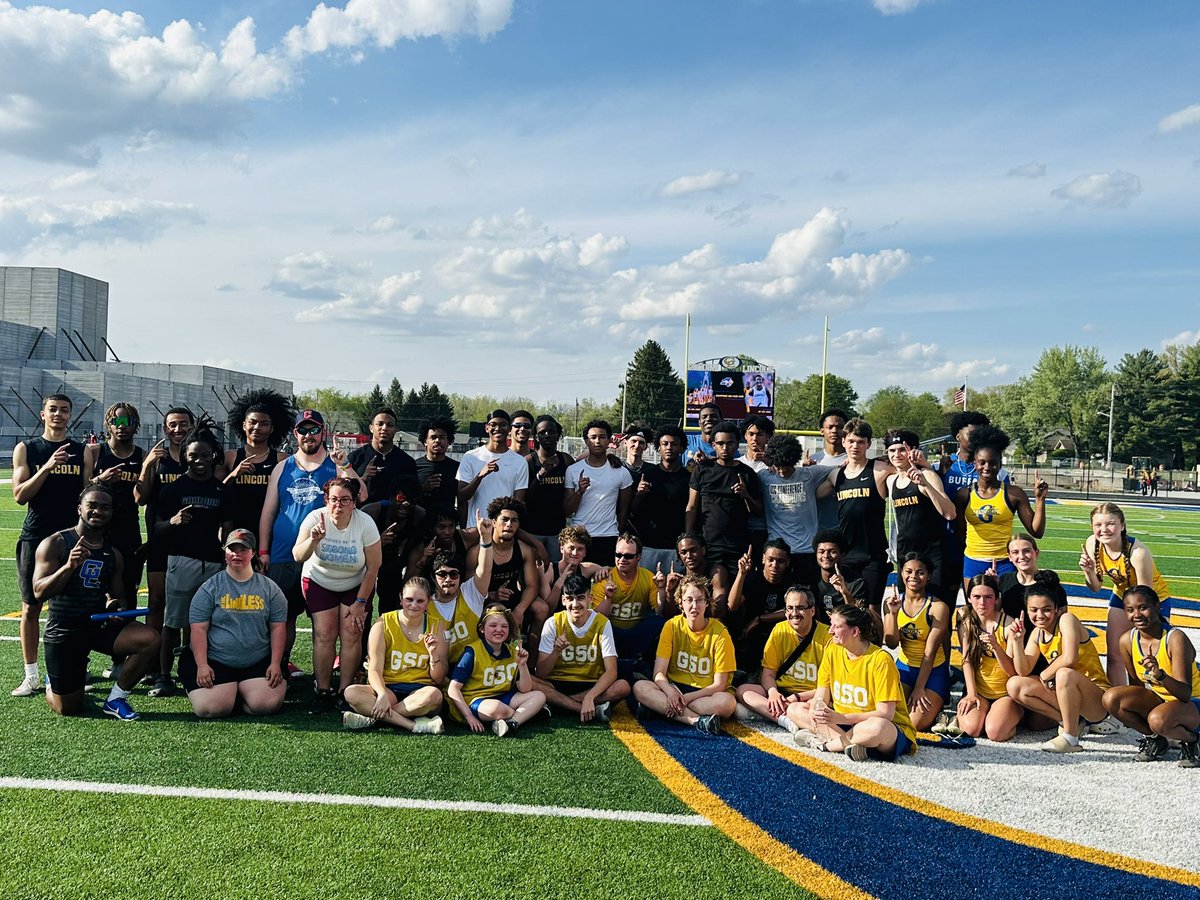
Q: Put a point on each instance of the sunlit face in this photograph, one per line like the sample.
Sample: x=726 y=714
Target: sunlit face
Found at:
x=257 y=427
x=522 y=431
x=798 y=611
x=914 y=575
x=1107 y=527
x=238 y=556
x=340 y=502
x=1042 y=612
x=983 y=600
x=828 y=556
x=446 y=580
x=627 y=556
x=576 y=605
x=573 y=552
x=96 y=509
x=900 y=456
x=691 y=554
x=775 y=564
x=176 y=425
x=708 y=420
x=547 y=436
x=199 y=459
x=987 y=464
x=414 y=600
x=309 y=437
x=1142 y=612
x=831 y=430
x=495 y=629
x=669 y=448
x=635 y=446
x=383 y=430
x=756 y=439
x=856 y=446
x=123 y=425
x=56 y=414
x=498 y=430
x=725 y=443
x=437 y=442
x=693 y=603
x=1023 y=555
x=839 y=631
x=597 y=441
x=508 y=523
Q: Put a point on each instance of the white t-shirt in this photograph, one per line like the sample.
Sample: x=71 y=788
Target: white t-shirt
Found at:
x=608 y=647
x=512 y=476
x=598 y=507
x=339 y=562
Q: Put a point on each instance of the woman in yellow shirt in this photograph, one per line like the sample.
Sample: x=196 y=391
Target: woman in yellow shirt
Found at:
x=693 y=665
x=1073 y=683
x=982 y=627
x=1166 y=705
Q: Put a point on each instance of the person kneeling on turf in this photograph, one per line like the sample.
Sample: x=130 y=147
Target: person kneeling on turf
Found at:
x=407 y=659
x=482 y=684
x=80 y=573
x=577 y=657
x=694 y=663
x=238 y=628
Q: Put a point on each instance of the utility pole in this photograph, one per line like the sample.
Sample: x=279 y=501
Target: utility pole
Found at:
x=1112 y=401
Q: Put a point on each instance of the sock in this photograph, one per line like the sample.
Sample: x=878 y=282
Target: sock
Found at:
x=784 y=722
x=1071 y=739
x=117 y=694
x=31 y=670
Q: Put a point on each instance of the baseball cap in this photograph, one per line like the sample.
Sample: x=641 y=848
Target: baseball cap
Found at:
x=241 y=536
x=309 y=415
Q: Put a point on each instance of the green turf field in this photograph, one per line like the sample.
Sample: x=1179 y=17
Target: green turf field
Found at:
x=72 y=844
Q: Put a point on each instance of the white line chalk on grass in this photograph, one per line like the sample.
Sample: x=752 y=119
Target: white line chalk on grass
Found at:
x=464 y=806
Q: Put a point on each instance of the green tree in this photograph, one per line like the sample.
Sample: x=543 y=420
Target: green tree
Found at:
x=373 y=401
x=395 y=396
x=798 y=402
x=433 y=403
x=1067 y=389
x=1005 y=407
x=1179 y=411
x=894 y=407
x=342 y=411
x=653 y=390
x=1141 y=382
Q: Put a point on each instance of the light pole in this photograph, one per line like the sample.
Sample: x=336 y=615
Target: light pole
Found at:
x=1112 y=401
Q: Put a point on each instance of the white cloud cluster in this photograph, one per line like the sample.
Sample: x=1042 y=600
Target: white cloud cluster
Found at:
x=1100 y=190
x=712 y=180
x=567 y=290
x=29 y=222
x=1183 y=339
x=70 y=80
x=895 y=7
x=1188 y=117
x=1028 y=170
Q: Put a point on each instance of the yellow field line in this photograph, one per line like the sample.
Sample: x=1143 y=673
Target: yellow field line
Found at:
x=936 y=811
x=689 y=789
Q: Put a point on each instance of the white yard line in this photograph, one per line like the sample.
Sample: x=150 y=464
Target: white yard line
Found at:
x=458 y=806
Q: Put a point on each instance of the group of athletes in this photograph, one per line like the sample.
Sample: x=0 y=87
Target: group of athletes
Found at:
x=735 y=575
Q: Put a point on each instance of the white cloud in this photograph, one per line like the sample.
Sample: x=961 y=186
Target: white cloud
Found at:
x=1183 y=339
x=1101 y=190
x=313 y=276
x=1187 y=117
x=70 y=80
x=972 y=369
x=1028 y=170
x=895 y=7
x=712 y=180
x=36 y=221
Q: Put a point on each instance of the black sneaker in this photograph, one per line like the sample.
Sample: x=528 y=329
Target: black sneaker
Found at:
x=1189 y=754
x=323 y=702
x=1150 y=748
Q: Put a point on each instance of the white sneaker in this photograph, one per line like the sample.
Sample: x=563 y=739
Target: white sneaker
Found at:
x=356 y=721
x=428 y=725
x=29 y=686
x=743 y=713
x=500 y=727
x=806 y=740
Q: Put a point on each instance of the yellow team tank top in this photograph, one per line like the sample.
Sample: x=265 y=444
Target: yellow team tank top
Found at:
x=802 y=674
x=1088 y=662
x=914 y=632
x=989 y=524
x=460 y=626
x=406 y=661
x=581 y=660
x=990 y=678
x=491 y=675
x=1164 y=663
x=1120 y=570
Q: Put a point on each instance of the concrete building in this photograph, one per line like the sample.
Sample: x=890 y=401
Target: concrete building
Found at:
x=54 y=339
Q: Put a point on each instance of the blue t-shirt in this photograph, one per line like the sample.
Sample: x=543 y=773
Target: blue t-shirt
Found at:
x=299 y=494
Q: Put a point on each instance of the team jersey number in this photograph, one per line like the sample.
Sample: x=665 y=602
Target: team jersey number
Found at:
x=579 y=653
x=693 y=665
x=408 y=660
x=494 y=675
x=850 y=695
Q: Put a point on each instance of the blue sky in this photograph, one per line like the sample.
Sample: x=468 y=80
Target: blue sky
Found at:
x=510 y=197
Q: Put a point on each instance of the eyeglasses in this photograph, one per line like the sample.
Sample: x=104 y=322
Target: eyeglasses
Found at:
x=341 y=501
x=446 y=573
x=626 y=555
x=798 y=609
x=306 y=430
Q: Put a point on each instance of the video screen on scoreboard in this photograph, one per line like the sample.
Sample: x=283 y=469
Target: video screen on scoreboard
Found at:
x=738 y=394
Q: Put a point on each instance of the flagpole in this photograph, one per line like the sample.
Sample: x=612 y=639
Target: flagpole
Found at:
x=964 y=395
x=824 y=364
x=687 y=353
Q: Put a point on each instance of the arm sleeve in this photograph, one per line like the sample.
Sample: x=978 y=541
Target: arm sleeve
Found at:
x=665 y=641
x=276 y=601
x=468 y=468
x=201 y=609
x=572 y=477
x=608 y=646
x=549 y=635
x=723 y=653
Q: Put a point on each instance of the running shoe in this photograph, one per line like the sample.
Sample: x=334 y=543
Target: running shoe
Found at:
x=503 y=726
x=806 y=740
x=1060 y=744
x=709 y=725
x=428 y=725
x=29 y=686
x=1150 y=748
x=856 y=752
x=323 y=701
x=164 y=686
x=1189 y=754
x=603 y=712
x=119 y=708
x=294 y=671
x=356 y=721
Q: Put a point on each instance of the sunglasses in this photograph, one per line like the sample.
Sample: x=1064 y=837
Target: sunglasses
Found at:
x=446 y=573
x=626 y=555
x=306 y=430
x=120 y=421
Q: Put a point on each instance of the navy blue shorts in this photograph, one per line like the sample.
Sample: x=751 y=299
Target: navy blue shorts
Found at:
x=938 y=681
x=504 y=698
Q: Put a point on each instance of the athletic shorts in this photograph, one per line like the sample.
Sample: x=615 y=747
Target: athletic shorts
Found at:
x=156 y=556
x=938 y=681
x=903 y=746
x=504 y=698
x=402 y=689
x=286 y=575
x=973 y=567
x=571 y=688
x=67 y=659
x=222 y=674
x=26 y=558
x=1164 y=606
x=684 y=688
x=318 y=598
x=184 y=577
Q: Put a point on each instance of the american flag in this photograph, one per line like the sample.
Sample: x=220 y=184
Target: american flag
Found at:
x=960 y=396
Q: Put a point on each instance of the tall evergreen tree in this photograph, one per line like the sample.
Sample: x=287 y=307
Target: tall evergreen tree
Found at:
x=395 y=396
x=373 y=401
x=653 y=390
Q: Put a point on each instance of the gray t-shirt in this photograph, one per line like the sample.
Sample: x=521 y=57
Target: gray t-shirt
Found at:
x=238 y=614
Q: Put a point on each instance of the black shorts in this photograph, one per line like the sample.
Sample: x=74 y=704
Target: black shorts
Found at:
x=67 y=652
x=571 y=688
x=26 y=558
x=222 y=674
x=156 y=556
